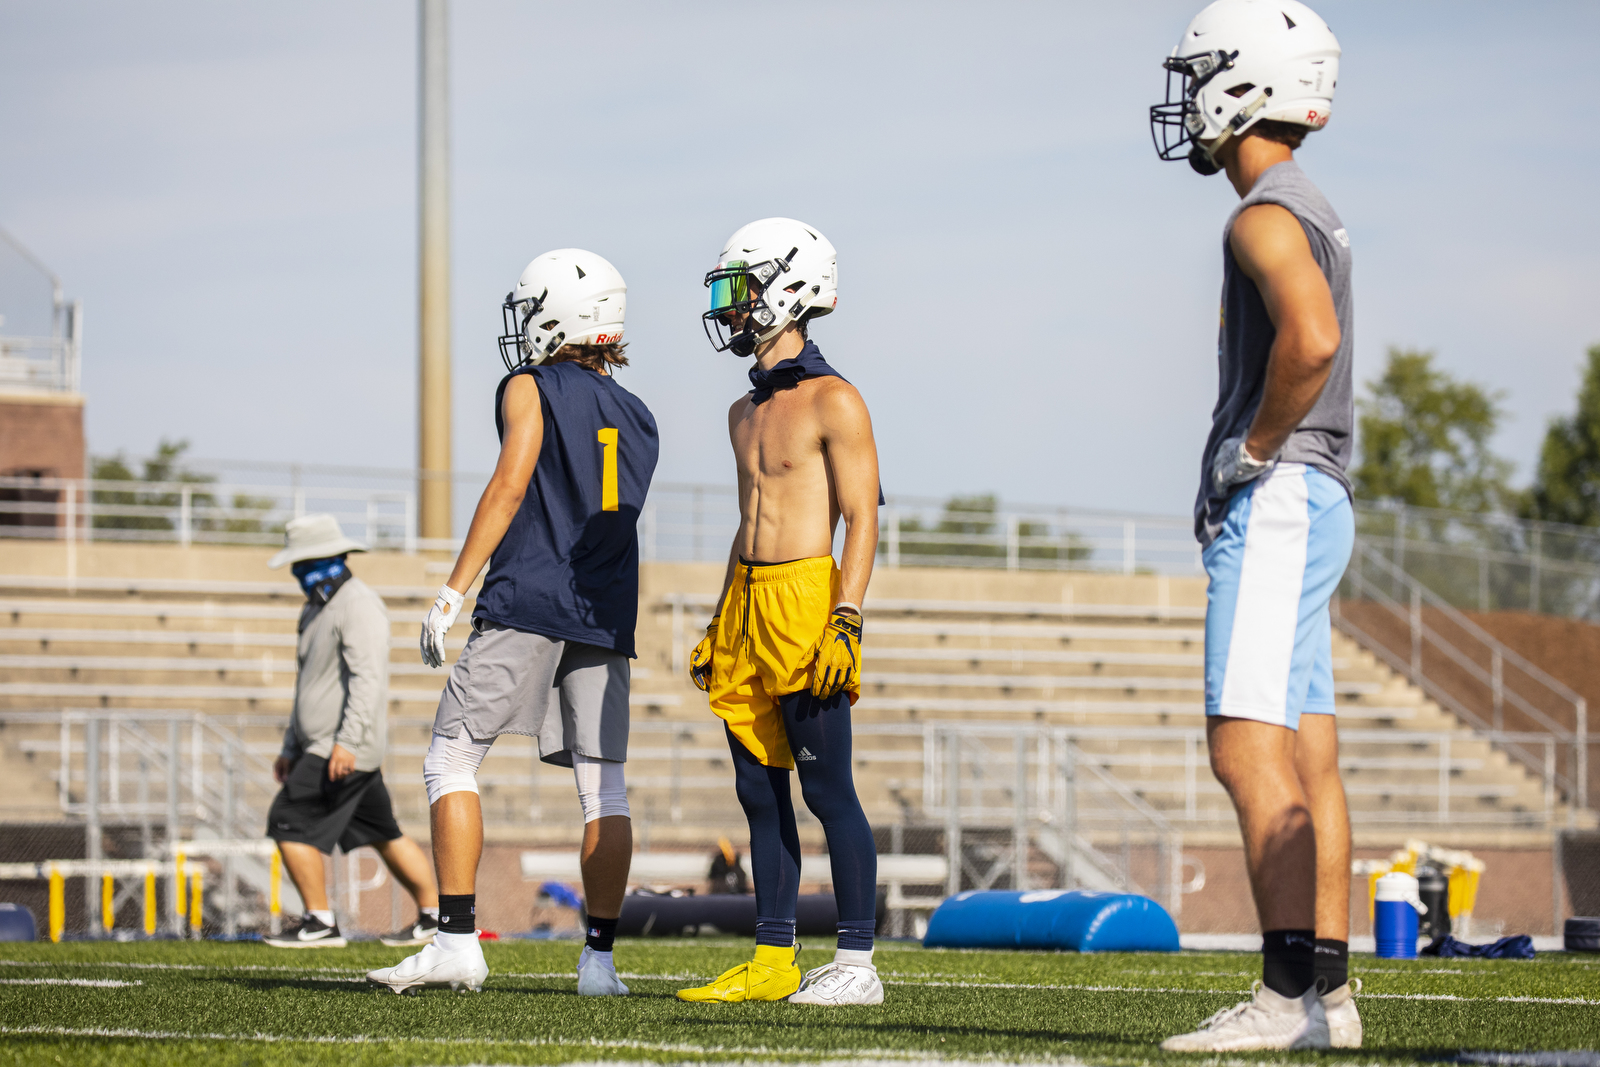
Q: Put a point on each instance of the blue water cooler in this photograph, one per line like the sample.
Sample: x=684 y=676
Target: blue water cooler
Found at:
x=1395 y=907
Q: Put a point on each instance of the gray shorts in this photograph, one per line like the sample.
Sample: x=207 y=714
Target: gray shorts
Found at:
x=509 y=682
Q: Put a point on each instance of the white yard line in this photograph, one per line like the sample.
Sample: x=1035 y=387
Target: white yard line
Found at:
x=96 y=983
x=183 y=966
x=895 y=1055
x=1237 y=992
x=898 y=978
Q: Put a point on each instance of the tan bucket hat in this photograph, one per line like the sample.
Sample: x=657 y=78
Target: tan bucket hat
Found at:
x=313 y=537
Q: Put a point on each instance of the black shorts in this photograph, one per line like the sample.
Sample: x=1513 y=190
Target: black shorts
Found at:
x=351 y=812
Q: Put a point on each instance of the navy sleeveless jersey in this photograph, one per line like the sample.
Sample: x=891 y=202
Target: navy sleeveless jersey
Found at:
x=568 y=566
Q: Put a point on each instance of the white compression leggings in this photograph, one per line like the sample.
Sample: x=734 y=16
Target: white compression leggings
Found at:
x=451 y=766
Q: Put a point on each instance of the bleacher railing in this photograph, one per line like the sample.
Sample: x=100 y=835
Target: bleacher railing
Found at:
x=1490 y=562
x=1474 y=562
x=184 y=513
x=687 y=523
x=39 y=364
x=180 y=772
x=1464 y=668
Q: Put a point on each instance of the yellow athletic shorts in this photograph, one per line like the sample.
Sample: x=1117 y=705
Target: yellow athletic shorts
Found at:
x=772 y=619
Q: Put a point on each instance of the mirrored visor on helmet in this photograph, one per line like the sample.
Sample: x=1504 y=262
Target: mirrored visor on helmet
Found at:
x=730 y=285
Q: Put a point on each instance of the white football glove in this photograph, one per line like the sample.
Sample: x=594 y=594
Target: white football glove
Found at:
x=1234 y=465
x=440 y=618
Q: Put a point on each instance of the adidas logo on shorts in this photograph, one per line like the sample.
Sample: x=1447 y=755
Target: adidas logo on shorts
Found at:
x=804 y=753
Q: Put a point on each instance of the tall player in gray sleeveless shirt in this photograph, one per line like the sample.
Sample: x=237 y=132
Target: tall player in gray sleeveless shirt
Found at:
x=1247 y=82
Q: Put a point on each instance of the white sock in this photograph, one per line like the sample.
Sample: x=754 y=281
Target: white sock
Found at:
x=853 y=956
x=322 y=915
x=432 y=913
x=455 y=942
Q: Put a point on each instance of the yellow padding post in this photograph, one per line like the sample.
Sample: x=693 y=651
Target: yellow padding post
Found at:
x=58 y=904
x=179 y=893
x=198 y=880
x=149 y=903
x=275 y=893
x=108 y=901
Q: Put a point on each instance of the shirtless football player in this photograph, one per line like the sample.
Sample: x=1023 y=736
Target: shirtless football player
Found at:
x=781 y=660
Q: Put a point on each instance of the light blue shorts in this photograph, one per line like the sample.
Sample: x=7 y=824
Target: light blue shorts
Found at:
x=1269 y=643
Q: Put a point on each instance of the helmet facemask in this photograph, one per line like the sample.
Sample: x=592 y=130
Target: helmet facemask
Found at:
x=740 y=317
x=516 y=348
x=1176 y=124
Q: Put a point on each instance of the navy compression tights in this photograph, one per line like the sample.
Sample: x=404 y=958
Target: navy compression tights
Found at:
x=821 y=729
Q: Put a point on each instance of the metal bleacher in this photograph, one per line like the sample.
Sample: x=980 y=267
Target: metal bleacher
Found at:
x=1115 y=687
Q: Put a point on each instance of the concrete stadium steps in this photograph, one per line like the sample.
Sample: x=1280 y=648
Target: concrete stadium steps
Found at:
x=1106 y=655
x=1129 y=670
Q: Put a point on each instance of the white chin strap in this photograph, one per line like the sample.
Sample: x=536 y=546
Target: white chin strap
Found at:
x=1244 y=115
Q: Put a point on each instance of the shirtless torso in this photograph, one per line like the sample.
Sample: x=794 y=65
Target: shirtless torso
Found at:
x=806 y=458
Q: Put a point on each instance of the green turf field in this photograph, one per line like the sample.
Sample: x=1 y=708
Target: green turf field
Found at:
x=175 y=1003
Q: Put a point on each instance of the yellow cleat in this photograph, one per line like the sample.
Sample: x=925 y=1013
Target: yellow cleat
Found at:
x=772 y=975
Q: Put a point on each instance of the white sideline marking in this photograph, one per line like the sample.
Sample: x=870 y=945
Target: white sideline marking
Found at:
x=902 y=979
x=183 y=966
x=1237 y=992
x=97 y=983
x=895 y=1055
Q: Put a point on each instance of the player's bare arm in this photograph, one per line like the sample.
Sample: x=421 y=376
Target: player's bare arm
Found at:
x=1271 y=248
x=519 y=453
x=852 y=456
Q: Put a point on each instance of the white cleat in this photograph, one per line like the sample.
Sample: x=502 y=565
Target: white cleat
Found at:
x=1267 y=1020
x=1344 y=1022
x=597 y=975
x=462 y=968
x=840 y=983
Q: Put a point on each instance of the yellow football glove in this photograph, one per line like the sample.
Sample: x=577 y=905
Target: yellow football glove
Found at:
x=838 y=657
x=700 y=658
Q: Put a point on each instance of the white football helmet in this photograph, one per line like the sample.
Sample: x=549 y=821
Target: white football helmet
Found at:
x=771 y=273
x=565 y=297
x=1239 y=62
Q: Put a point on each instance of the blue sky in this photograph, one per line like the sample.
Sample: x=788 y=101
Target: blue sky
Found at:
x=1028 y=296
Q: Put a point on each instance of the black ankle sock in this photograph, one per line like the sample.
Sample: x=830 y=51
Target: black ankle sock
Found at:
x=602 y=933
x=1289 y=961
x=778 y=933
x=1333 y=963
x=456 y=913
x=856 y=935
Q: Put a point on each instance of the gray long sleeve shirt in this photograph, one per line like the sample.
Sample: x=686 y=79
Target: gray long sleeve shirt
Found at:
x=341 y=693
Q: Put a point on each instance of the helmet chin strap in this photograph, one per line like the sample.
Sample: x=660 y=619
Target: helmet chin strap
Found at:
x=748 y=340
x=1204 y=159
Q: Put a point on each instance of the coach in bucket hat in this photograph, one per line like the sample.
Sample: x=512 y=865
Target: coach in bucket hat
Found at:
x=313 y=537
x=331 y=763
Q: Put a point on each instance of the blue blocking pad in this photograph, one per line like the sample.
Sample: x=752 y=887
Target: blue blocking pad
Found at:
x=1077 y=920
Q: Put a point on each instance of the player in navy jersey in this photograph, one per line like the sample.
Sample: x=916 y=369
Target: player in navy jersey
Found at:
x=552 y=631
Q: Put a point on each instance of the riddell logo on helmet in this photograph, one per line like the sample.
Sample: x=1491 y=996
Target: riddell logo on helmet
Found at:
x=607 y=338
x=1314 y=119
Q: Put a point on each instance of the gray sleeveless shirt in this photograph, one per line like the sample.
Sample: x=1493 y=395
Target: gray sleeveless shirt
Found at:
x=1326 y=436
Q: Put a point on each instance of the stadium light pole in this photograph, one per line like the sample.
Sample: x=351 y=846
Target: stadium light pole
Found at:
x=433 y=364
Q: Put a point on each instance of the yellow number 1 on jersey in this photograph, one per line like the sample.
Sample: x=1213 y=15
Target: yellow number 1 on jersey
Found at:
x=608 y=477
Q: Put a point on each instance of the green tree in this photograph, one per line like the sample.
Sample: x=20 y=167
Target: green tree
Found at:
x=167 y=466
x=1424 y=439
x=970 y=527
x=1567 y=485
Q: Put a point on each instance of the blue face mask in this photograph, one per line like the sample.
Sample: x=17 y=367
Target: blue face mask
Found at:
x=321 y=578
